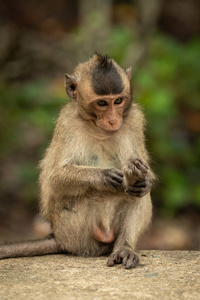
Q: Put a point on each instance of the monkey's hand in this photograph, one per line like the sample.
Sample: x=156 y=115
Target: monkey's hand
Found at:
x=112 y=178
x=137 y=179
x=125 y=256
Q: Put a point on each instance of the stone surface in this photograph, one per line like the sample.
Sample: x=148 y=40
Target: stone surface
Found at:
x=161 y=275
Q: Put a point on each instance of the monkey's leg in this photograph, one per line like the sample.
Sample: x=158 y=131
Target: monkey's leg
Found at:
x=30 y=248
x=136 y=220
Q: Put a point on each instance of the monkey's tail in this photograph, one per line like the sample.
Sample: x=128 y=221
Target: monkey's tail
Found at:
x=43 y=246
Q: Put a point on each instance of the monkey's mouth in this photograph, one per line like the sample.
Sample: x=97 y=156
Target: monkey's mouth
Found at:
x=110 y=130
x=108 y=127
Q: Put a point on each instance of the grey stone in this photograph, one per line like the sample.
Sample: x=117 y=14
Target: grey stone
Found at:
x=161 y=275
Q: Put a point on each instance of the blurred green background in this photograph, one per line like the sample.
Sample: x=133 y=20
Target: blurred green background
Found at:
x=40 y=41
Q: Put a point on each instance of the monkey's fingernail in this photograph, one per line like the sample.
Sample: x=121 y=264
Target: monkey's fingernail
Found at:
x=110 y=263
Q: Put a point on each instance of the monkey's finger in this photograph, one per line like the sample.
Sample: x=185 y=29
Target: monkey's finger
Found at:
x=118 y=173
x=130 y=166
x=146 y=191
x=142 y=183
x=114 y=173
x=115 y=183
x=137 y=193
x=117 y=178
x=141 y=166
x=143 y=163
x=136 y=170
x=128 y=172
x=133 y=169
x=136 y=189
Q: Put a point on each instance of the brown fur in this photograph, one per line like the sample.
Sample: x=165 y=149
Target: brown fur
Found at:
x=73 y=198
x=90 y=216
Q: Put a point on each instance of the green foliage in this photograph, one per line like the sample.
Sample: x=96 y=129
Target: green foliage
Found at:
x=169 y=91
x=167 y=86
x=27 y=121
x=120 y=40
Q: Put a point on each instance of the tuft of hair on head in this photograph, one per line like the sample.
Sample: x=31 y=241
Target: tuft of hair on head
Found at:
x=104 y=61
x=105 y=76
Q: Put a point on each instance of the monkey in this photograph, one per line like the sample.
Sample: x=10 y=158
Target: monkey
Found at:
x=95 y=178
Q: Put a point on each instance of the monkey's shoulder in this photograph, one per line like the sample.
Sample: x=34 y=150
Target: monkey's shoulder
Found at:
x=135 y=120
x=68 y=112
x=68 y=121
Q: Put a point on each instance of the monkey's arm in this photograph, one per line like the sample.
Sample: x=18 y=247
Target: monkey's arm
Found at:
x=78 y=179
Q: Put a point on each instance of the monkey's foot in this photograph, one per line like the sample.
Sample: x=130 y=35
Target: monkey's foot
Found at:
x=137 y=178
x=127 y=257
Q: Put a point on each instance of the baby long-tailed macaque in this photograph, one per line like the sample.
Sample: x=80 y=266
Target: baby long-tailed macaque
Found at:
x=95 y=177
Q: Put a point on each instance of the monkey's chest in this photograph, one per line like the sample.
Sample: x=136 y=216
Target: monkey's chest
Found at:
x=104 y=158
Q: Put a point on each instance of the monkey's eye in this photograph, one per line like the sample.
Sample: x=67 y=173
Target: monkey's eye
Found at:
x=102 y=103
x=118 y=101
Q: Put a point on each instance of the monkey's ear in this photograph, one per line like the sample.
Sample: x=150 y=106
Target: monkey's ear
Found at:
x=129 y=72
x=71 y=86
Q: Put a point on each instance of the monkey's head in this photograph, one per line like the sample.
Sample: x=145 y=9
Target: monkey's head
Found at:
x=102 y=90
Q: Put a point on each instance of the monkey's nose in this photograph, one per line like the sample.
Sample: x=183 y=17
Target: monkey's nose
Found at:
x=112 y=122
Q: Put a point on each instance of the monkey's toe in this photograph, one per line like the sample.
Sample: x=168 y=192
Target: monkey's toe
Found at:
x=114 y=258
x=131 y=260
x=127 y=257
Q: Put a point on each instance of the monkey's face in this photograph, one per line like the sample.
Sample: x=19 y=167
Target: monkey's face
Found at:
x=102 y=90
x=108 y=111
